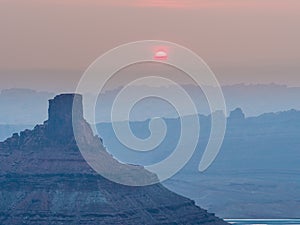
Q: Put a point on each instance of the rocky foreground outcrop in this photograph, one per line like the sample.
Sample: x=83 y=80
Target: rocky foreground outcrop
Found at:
x=45 y=180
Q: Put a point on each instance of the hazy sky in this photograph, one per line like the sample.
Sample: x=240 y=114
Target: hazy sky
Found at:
x=47 y=44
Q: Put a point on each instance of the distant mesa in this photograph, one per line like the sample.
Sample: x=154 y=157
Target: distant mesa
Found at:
x=237 y=114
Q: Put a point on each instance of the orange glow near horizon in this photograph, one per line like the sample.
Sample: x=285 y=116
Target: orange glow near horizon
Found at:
x=245 y=41
x=182 y=4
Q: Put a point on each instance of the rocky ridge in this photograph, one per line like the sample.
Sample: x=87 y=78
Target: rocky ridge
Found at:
x=45 y=180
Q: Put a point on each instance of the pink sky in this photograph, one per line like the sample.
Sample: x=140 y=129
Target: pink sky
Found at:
x=252 y=41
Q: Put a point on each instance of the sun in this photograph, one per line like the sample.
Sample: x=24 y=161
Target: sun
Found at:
x=161 y=55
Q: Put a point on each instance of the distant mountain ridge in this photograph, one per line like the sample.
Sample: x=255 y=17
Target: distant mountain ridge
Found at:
x=256 y=174
x=253 y=99
x=23 y=106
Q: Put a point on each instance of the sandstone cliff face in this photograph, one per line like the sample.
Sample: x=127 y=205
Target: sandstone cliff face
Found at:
x=45 y=180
